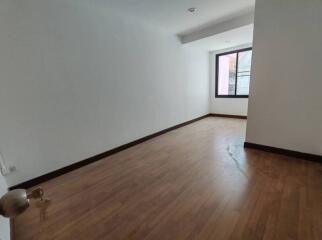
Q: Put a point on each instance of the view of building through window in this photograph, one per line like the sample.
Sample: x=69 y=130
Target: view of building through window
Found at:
x=233 y=73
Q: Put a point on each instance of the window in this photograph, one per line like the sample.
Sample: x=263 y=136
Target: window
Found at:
x=233 y=74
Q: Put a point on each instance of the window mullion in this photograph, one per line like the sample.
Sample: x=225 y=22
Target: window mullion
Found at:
x=237 y=58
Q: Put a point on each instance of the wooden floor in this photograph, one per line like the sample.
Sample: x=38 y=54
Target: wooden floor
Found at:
x=196 y=182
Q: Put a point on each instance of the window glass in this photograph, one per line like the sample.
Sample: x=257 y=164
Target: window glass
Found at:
x=227 y=74
x=243 y=75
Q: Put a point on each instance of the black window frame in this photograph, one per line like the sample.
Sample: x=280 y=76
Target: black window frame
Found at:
x=217 y=71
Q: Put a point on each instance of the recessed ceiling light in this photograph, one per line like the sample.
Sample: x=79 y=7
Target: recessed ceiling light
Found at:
x=192 y=9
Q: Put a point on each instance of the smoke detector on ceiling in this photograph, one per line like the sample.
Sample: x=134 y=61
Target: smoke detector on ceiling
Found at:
x=192 y=9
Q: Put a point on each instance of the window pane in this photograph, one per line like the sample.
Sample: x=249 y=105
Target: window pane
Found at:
x=227 y=74
x=243 y=75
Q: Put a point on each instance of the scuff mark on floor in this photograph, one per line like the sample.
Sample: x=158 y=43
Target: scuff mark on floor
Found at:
x=236 y=161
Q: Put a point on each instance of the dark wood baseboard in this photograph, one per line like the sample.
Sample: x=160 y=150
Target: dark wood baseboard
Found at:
x=228 y=116
x=61 y=171
x=290 y=153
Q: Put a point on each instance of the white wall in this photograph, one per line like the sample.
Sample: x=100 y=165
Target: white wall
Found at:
x=78 y=80
x=230 y=106
x=4 y=222
x=285 y=108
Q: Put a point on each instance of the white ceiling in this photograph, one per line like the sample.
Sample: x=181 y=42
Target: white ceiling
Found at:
x=236 y=37
x=173 y=15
